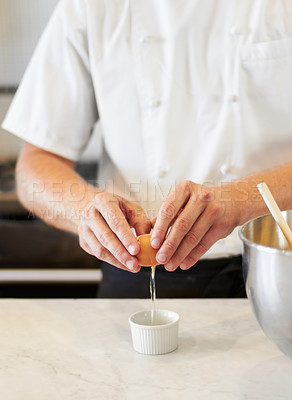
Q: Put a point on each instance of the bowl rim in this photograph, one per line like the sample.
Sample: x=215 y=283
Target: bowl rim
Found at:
x=155 y=327
x=268 y=249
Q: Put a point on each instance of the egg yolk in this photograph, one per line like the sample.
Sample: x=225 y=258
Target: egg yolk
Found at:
x=147 y=255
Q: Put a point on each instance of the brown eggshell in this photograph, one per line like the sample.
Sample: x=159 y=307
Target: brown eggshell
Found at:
x=147 y=255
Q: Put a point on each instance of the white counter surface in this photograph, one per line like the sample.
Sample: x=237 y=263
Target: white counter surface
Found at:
x=81 y=349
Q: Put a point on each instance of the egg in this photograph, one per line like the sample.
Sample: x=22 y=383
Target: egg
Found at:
x=147 y=255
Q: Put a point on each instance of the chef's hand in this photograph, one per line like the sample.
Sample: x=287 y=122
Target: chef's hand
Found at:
x=105 y=230
x=198 y=216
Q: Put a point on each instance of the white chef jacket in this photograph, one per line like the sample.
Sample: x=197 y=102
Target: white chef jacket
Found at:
x=189 y=89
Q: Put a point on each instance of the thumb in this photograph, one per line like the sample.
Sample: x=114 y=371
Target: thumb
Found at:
x=142 y=227
x=138 y=219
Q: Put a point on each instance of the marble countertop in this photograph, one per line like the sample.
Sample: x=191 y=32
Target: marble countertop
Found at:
x=81 y=349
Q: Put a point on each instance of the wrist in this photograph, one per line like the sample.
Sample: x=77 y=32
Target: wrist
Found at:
x=245 y=199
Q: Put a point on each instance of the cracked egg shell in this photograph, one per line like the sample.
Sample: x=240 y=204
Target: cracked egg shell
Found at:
x=147 y=255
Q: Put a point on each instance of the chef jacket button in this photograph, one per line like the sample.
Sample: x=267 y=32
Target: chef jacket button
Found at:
x=235 y=31
x=229 y=169
x=145 y=40
x=233 y=98
x=155 y=104
x=162 y=173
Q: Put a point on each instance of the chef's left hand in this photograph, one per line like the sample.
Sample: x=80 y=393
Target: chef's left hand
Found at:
x=197 y=216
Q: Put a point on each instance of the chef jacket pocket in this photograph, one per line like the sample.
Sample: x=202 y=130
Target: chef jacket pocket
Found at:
x=266 y=88
x=266 y=52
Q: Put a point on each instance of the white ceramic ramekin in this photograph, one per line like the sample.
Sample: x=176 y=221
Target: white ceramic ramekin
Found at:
x=154 y=332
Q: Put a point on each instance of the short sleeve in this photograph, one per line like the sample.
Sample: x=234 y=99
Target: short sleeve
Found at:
x=54 y=107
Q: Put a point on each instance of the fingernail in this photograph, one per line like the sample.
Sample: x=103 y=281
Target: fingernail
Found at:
x=132 y=249
x=169 y=266
x=155 y=243
x=183 y=266
x=161 y=258
x=130 y=264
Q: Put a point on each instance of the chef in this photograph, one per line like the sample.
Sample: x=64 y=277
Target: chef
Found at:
x=194 y=99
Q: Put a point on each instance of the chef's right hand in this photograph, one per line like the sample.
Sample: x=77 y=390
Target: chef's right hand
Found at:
x=105 y=230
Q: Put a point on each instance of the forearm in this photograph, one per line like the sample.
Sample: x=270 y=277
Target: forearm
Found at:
x=48 y=186
x=248 y=198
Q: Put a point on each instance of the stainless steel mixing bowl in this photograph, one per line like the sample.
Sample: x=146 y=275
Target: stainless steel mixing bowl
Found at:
x=267 y=269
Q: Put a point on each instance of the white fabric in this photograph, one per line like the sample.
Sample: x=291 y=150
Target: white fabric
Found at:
x=197 y=90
